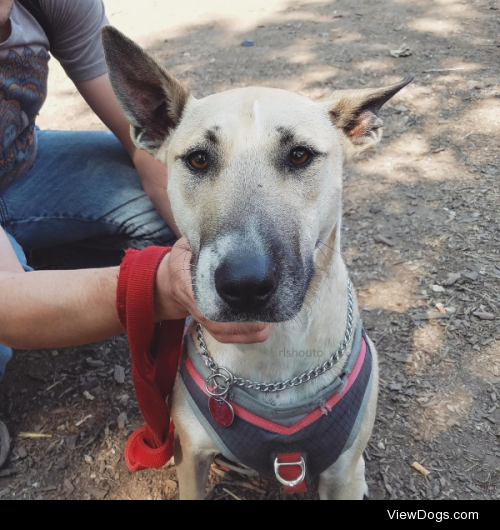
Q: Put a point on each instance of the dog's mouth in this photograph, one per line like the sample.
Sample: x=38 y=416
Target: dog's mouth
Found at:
x=251 y=286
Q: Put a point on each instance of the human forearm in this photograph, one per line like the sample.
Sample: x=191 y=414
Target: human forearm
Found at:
x=58 y=309
x=99 y=95
x=153 y=175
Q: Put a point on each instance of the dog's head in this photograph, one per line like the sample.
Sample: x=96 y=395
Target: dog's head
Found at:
x=255 y=177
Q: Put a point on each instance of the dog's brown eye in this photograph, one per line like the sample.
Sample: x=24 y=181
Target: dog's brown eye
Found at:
x=198 y=160
x=300 y=156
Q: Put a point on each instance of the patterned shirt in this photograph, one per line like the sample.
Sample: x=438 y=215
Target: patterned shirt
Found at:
x=24 y=65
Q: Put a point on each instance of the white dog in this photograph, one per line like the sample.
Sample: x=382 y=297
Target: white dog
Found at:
x=255 y=182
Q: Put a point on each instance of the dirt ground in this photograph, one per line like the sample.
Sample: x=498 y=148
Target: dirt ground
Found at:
x=421 y=237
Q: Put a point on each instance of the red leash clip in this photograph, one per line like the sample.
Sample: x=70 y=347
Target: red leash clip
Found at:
x=156 y=350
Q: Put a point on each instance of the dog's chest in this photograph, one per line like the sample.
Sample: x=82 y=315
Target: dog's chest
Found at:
x=320 y=427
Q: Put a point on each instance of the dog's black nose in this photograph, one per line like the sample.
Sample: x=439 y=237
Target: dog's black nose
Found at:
x=246 y=282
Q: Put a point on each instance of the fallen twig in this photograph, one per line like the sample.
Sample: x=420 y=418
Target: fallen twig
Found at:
x=81 y=422
x=53 y=386
x=441 y=70
x=379 y=238
x=431 y=315
x=468 y=134
x=231 y=494
x=33 y=435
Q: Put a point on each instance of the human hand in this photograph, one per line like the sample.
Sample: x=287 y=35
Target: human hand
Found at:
x=175 y=300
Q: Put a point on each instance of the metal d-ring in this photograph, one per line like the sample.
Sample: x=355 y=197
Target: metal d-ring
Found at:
x=290 y=483
x=226 y=386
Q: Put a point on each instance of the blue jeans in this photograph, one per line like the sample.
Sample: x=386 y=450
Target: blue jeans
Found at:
x=84 y=199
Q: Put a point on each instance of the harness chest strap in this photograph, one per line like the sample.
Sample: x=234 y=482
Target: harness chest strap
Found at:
x=156 y=351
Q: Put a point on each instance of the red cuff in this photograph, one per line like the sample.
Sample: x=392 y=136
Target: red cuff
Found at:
x=151 y=258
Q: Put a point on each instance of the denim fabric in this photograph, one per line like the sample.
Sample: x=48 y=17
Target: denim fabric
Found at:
x=5 y=357
x=19 y=253
x=83 y=191
x=84 y=200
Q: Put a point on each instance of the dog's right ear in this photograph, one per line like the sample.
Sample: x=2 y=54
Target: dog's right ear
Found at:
x=153 y=100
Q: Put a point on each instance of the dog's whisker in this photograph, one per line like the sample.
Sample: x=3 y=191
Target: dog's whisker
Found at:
x=322 y=251
x=330 y=248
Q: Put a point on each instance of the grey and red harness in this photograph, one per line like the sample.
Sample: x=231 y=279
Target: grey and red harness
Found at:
x=292 y=443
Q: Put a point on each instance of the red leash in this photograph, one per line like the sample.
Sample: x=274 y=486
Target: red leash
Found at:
x=155 y=350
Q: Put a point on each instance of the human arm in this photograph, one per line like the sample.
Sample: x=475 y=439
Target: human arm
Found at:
x=57 y=309
x=153 y=174
x=76 y=44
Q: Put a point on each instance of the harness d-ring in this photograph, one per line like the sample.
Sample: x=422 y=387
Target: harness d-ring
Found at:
x=290 y=483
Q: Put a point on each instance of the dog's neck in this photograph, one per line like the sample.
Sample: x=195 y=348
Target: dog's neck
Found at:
x=300 y=345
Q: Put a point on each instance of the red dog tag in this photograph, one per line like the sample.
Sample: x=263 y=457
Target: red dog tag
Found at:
x=222 y=412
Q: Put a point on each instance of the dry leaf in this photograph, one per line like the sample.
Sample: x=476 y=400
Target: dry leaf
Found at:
x=404 y=51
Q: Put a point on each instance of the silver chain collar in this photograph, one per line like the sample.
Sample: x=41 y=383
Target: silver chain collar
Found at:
x=223 y=379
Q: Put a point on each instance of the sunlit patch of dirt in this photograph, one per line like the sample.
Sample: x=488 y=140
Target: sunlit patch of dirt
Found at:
x=486 y=363
x=429 y=338
x=366 y=188
x=376 y=64
x=423 y=98
x=434 y=26
x=442 y=411
x=458 y=7
x=396 y=294
x=301 y=57
x=429 y=163
x=396 y=207
x=442 y=166
x=427 y=343
x=411 y=145
x=485 y=115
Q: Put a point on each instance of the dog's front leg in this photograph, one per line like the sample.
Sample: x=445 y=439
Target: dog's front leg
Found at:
x=193 y=468
x=194 y=449
x=345 y=481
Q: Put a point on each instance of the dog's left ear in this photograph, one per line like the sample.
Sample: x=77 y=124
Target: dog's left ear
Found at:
x=153 y=99
x=356 y=114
